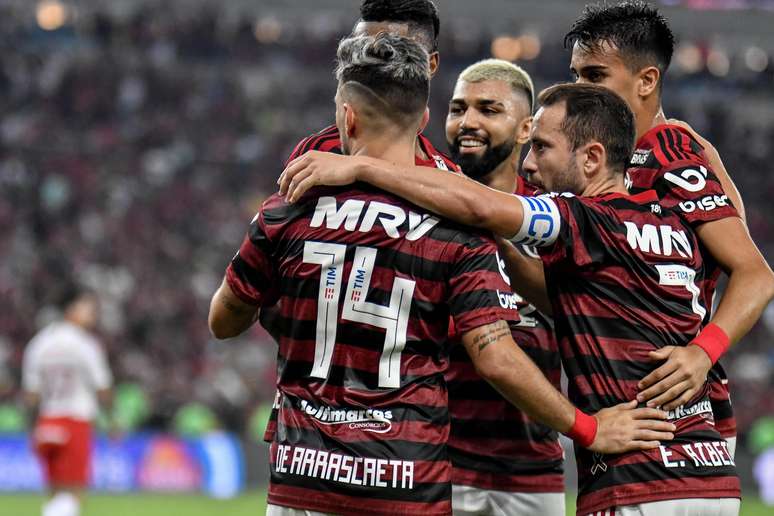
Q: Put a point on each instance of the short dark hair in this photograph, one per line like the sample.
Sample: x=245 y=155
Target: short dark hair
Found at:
x=391 y=70
x=420 y=15
x=635 y=28
x=595 y=113
x=68 y=293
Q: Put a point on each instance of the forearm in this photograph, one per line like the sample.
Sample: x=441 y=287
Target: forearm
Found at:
x=527 y=276
x=229 y=316
x=510 y=371
x=452 y=196
x=726 y=182
x=747 y=293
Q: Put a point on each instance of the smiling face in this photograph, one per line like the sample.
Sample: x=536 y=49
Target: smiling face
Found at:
x=486 y=121
x=551 y=162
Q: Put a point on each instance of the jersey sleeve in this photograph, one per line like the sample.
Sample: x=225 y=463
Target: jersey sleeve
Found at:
x=97 y=367
x=479 y=289
x=687 y=183
x=576 y=240
x=251 y=275
x=327 y=140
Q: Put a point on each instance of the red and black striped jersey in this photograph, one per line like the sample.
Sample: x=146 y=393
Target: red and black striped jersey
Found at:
x=367 y=285
x=328 y=140
x=623 y=278
x=670 y=161
x=492 y=444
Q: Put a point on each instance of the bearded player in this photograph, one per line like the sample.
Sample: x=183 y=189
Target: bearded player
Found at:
x=502 y=461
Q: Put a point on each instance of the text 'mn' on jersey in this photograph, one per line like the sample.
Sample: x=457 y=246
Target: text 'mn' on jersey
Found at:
x=622 y=274
x=492 y=444
x=670 y=161
x=366 y=285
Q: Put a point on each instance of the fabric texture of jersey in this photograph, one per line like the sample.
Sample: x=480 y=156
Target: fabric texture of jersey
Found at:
x=623 y=279
x=366 y=285
x=492 y=444
x=670 y=161
x=66 y=366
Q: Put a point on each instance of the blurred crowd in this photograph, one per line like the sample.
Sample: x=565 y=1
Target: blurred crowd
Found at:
x=135 y=150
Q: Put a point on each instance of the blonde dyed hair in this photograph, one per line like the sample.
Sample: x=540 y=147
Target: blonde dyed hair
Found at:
x=499 y=70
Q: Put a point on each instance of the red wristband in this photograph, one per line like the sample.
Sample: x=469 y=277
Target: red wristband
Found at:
x=713 y=340
x=584 y=430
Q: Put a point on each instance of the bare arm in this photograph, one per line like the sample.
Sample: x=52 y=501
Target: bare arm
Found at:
x=452 y=196
x=750 y=288
x=527 y=276
x=503 y=364
x=229 y=316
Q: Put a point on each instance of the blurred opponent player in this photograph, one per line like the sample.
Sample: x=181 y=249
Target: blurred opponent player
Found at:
x=65 y=376
x=618 y=273
x=371 y=283
x=502 y=461
x=627 y=47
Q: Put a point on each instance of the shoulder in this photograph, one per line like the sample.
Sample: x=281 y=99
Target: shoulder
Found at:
x=668 y=146
x=326 y=140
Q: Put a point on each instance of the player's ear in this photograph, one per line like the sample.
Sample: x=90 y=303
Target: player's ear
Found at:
x=435 y=61
x=350 y=120
x=596 y=159
x=425 y=120
x=647 y=81
x=522 y=133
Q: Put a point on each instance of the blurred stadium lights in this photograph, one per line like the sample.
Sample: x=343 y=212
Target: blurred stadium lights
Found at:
x=51 y=14
x=268 y=30
x=506 y=47
x=718 y=62
x=756 y=59
x=512 y=48
x=689 y=58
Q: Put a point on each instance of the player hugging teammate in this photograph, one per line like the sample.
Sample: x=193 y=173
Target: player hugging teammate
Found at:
x=369 y=287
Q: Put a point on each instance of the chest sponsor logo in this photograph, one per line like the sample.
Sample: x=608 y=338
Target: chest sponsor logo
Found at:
x=662 y=240
x=366 y=420
x=509 y=300
x=363 y=216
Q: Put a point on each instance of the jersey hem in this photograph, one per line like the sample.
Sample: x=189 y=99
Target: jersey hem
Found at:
x=617 y=501
x=295 y=503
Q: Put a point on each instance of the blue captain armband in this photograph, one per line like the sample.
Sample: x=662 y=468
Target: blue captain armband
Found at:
x=541 y=223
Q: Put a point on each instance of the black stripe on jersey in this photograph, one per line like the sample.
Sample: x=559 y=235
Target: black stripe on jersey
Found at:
x=619 y=369
x=258 y=238
x=592 y=401
x=503 y=465
x=285 y=212
x=422 y=492
x=510 y=430
x=618 y=328
x=408 y=450
x=247 y=274
x=674 y=144
x=340 y=376
x=312 y=141
x=664 y=147
x=650 y=471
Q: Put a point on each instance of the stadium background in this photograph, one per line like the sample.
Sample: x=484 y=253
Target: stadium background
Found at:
x=138 y=138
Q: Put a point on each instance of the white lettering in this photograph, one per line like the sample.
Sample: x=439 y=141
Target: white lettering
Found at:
x=326 y=211
x=665 y=454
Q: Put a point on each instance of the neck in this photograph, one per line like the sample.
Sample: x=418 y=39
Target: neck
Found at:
x=606 y=184
x=505 y=176
x=397 y=150
x=651 y=115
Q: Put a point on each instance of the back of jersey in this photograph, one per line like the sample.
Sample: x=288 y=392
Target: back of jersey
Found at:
x=367 y=284
x=66 y=367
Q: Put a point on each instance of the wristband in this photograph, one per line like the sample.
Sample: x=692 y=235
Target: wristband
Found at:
x=583 y=430
x=713 y=340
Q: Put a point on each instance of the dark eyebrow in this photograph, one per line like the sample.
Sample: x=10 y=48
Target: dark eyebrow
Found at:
x=488 y=102
x=591 y=68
